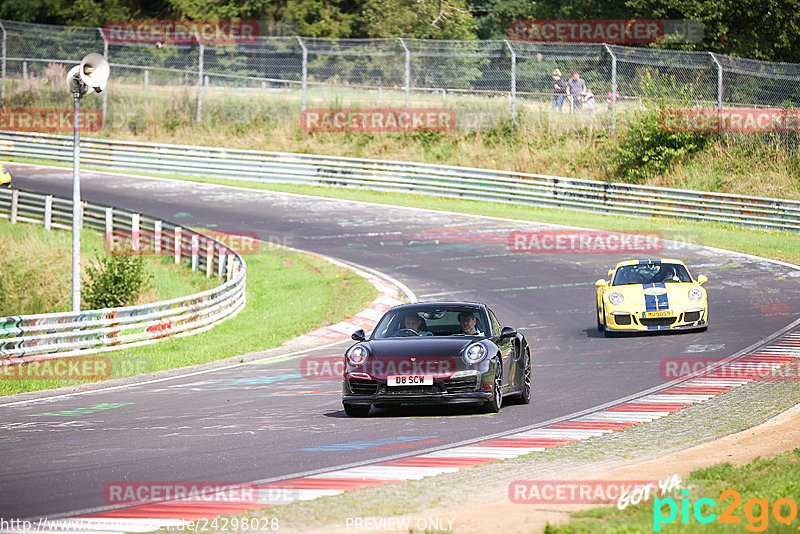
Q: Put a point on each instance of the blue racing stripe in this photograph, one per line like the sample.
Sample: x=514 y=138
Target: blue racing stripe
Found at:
x=655 y=302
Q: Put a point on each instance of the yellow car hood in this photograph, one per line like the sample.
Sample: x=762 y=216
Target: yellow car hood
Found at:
x=640 y=295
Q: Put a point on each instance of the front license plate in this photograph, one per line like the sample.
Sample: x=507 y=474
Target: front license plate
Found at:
x=409 y=380
x=661 y=313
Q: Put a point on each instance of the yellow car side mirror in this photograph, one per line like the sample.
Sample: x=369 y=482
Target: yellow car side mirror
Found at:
x=601 y=283
x=702 y=279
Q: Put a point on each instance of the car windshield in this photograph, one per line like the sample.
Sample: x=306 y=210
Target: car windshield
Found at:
x=427 y=321
x=651 y=273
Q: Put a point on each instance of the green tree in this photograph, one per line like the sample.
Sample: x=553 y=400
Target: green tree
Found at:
x=418 y=19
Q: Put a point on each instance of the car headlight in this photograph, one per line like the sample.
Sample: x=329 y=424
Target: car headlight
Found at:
x=616 y=298
x=695 y=294
x=474 y=354
x=357 y=355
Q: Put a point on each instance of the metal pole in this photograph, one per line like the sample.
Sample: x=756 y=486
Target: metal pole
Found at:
x=76 y=203
x=3 y=67
x=105 y=55
x=305 y=70
x=513 y=84
x=613 y=88
x=408 y=69
x=719 y=90
x=200 y=80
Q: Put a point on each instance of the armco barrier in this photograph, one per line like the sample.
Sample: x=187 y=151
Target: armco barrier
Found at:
x=440 y=180
x=31 y=337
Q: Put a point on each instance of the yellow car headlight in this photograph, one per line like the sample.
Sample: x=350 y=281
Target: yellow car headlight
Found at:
x=695 y=294
x=616 y=298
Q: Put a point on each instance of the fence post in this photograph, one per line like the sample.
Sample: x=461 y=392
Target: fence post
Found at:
x=135 y=231
x=613 y=88
x=14 y=206
x=209 y=258
x=408 y=69
x=513 y=84
x=305 y=70
x=3 y=66
x=157 y=238
x=195 y=252
x=221 y=257
x=105 y=55
x=146 y=79
x=199 y=78
x=719 y=90
x=178 y=244
x=109 y=224
x=48 y=211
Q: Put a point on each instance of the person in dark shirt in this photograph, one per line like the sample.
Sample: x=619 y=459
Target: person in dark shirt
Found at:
x=576 y=87
x=559 y=90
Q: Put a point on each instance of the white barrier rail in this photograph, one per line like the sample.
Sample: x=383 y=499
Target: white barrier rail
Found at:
x=31 y=337
x=421 y=178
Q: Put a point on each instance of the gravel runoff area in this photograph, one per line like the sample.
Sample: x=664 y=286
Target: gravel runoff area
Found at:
x=758 y=419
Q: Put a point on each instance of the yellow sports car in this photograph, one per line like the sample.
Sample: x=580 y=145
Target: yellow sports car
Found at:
x=5 y=176
x=653 y=294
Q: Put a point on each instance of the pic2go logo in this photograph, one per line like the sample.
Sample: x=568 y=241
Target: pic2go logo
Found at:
x=756 y=511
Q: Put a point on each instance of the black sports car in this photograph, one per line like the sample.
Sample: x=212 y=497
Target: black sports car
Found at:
x=434 y=353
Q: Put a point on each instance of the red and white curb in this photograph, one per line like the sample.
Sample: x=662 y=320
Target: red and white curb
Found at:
x=144 y=518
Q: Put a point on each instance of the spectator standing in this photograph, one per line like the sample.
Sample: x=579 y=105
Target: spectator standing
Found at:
x=611 y=100
x=559 y=90
x=588 y=101
x=576 y=86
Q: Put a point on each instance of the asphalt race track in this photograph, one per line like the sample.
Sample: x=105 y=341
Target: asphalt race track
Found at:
x=263 y=421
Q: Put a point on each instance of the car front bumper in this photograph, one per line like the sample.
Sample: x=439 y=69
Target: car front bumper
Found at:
x=689 y=319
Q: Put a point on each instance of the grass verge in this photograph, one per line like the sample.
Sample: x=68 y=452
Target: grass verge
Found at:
x=762 y=497
x=288 y=294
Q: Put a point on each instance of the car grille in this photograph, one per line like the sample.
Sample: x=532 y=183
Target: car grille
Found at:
x=460 y=385
x=411 y=390
x=622 y=319
x=363 y=387
x=658 y=321
x=691 y=317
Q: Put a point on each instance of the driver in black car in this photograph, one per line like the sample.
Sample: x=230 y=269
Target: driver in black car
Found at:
x=414 y=322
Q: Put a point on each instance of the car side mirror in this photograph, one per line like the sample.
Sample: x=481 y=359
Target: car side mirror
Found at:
x=601 y=283
x=359 y=335
x=507 y=331
x=702 y=279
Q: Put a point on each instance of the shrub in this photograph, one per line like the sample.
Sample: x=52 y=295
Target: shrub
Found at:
x=646 y=149
x=115 y=280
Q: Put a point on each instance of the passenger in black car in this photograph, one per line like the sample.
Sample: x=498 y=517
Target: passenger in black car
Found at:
x=468 y=324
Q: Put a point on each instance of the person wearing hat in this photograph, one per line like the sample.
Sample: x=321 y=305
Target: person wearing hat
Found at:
x=559 y=90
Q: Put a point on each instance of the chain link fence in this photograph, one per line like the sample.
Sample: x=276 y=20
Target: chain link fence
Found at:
x=272 y=79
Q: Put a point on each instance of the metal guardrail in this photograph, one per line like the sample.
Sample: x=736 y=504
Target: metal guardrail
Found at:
x=70 y=333
x=421 y=178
